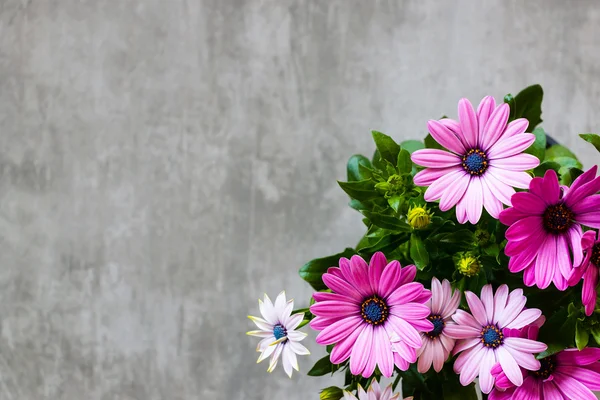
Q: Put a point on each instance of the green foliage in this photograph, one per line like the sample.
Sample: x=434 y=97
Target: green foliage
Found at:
x=388 y=149
x=323 y=367
x=527 y=104
x=313 y=270
x=538 y=148
x=418 y=251
x=331 y=393
x=592 y=138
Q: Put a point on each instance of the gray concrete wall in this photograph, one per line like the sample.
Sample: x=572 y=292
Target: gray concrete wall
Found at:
x=164 y=162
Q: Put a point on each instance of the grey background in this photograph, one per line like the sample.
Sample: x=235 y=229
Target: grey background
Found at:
x=164 y=162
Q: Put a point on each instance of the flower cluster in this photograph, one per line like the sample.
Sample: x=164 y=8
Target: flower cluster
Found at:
x=481 y=261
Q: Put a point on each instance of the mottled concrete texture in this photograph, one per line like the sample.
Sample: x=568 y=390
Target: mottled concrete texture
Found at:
x=164 y=162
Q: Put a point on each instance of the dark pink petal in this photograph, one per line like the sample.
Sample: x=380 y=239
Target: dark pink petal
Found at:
x=468 y=123
x=341 y=351
x=525 y=228
x=520 y=162
x=332 y=309
x=361 y=351
x=574 y=196
x=437 y=188
x=563 y=261
x=429 y=175
x=404 y=330
x=435 y=158
x=528 y=203
x=529 y=245
x=529 y=390
x=521 y=261
x=423 y=325
x=340 y=286
x=572 y=388
x=588 y=239
x=453 y=125
x=424 y=297
x=408 y=274
x=591 y=379
x=525 y=345
x=529 y=276
x=446 y=137
x=326 y=296
x=360 y=271
x=545 y=263
x=405 y=294
x=516 y=127
x=550 y=187
x=501 y=190
x=512 y=215
x=484 y=110
x=390 y=279
x=355 y=276
x=476 y=307
x=401 y=363
x=591 y=219
x=494 y=127
x=454 y=191
x=551 y=392
x=518 y=179
x=320 y=323
x=511 y=146
x=474 y=197
x=584 y=178
x=461 y=331
x=536 y=186
x=589 y=204
x=339 y=330
x=588 y=295
x=575 y=234
x=586 y=356
x=335 y=271
x=376 y=267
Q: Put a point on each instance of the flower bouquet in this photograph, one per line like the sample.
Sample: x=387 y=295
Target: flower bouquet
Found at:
x=479 y=263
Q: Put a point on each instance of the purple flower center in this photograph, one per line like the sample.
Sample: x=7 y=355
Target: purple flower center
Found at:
x=558 y=218
x=547 y=366
x=438 y=326
x=374 y=310
x=279 y=331
x=491 y=336
x=475 y=162
x=596 y=255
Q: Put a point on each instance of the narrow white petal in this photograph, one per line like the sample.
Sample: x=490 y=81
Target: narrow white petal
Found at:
x=268 y=311
x=296 y=336
x=298 y=348
x=280 y=303
x=275 y=357
x=261 y=323
x=259 y=333
x=293 y=321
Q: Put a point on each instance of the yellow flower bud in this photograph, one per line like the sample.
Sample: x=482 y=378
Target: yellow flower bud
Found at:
x=468 y=265
x=419 y=217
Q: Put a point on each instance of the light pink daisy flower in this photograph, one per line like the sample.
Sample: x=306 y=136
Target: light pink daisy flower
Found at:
x=483 y=342
x=485 y=160
x=590 y=242
x=436 y=344
x=544 y=238
x=374 y=393
x=567 y=375
x=370 y=305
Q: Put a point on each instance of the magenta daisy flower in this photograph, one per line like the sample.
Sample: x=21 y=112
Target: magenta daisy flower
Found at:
x=568 y=375
x=370 y=305
x=483 y=342
x=544 y=238
x=484 y=162
x=590 y=243
x=436 y=344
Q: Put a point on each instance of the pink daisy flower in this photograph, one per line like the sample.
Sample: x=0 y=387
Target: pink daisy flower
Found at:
x=567 y=375
x=483 y=342
x=370 y=305
x=436 y=344
x=544 y=238
x=374 y=393
x=590 y=242
x=484 y=162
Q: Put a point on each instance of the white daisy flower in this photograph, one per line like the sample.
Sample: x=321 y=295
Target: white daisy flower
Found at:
x=374 y=393
x=277 y=328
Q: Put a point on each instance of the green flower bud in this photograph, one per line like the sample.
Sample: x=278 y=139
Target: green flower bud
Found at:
x=482 y=236
x=419 y=217
x=331 y=393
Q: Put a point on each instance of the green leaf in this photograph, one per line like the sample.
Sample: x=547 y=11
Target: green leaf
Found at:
x=567 y=162
x=461 y=237
x=454 y=391
x=510 y=100
x=430 y=143
x=541 y=169
x=387 y=222
x=321 y=367
x=360 y=190
x=528 y=104
x=313 y=270
x=595 y=331
x=418 y=251
x=538 y=148
x=558 y=151
x=331 y=393
x=591 y=138
x=395 y=202
x=404 y=162
x=355 y=173
x=558 y=332
x=388 y=149
x=582 y=336
x=412 y=145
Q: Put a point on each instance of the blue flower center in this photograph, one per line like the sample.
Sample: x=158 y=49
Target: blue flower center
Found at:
x=558 y=218
x=491 y=336
x=438 y=326
x=374 y=310
x=279 y=331
x=475 y=162
x=547 y=366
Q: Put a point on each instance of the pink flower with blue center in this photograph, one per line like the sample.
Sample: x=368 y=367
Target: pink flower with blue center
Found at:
x=483 y=164
x=544 y=237
x=590 y=243
x=482 y=340
x=373 y=316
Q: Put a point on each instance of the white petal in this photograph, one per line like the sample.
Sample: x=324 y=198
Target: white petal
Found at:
x=287 y=311
x=280 y=303
x=286 y=362
x=298 y=348
x=259 y=333
x=293 y=321
x=296 y=336
x=261 y=323
x=266 y=353
x=275 y=357
x=267 y=310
